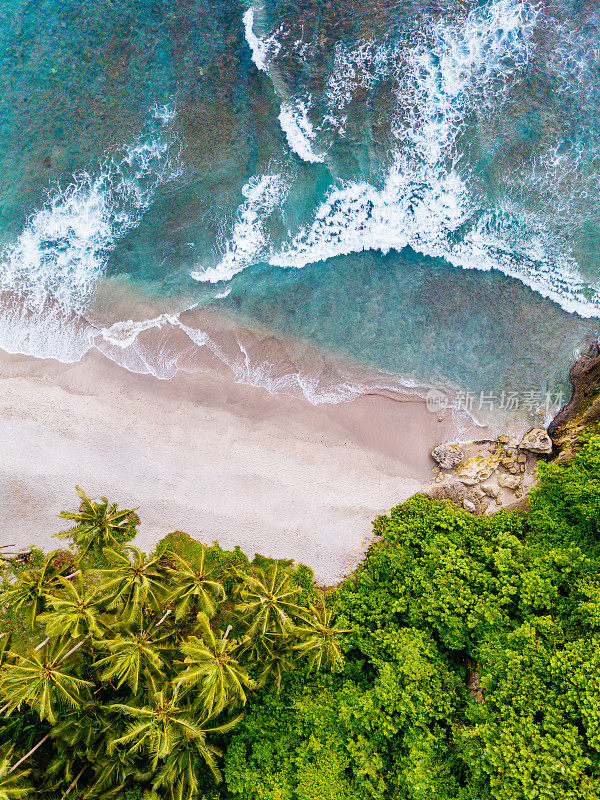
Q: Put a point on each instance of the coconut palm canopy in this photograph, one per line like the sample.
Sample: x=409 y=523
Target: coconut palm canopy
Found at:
x=136 y=666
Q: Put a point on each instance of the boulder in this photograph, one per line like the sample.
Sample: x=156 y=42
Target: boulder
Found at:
x=536 y=441
x=452 y=490
x=510 y=481
x=490 y=490
x=479 y=468
x=447 y=455
x=459 y=494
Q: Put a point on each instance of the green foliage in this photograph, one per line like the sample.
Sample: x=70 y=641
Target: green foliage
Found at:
x=99 y=524
x=471 y=670
x=121 y=677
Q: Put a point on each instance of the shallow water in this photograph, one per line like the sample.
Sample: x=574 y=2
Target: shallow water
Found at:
x=408 y=187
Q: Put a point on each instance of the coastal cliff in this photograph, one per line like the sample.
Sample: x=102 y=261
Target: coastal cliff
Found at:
x=583 y=409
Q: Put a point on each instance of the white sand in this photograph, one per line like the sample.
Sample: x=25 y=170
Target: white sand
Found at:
x=220 y=460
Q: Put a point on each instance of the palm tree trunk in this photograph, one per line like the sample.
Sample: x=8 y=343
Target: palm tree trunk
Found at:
x=74 y=781
x=31 y=752
x=164 y=616
x=72 y=650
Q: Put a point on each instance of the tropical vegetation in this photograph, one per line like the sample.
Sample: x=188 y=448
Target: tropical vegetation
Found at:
x=461 y=660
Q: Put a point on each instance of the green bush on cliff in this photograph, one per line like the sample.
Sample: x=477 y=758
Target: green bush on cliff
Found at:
x=470 y=668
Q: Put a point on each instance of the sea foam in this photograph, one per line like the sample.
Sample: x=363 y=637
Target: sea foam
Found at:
x=294 y=112
x=50 y=272
x=299 y=130
x=429 y=199
x=249 y=242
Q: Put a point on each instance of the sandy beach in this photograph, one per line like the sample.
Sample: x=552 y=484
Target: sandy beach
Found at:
x=218 y=459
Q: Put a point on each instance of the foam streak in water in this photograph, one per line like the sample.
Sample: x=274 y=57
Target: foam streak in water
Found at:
x=263 y=49
x=48 y=275
x=299 y=130
x=427 y=200
x=249 y=242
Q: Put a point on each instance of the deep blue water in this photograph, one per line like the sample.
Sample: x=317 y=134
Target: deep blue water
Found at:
x=415 y=188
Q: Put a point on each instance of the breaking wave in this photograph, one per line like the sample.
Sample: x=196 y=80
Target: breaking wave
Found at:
x=445 y=78
x=48 y=276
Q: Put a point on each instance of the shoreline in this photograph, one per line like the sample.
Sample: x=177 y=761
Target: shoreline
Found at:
x=203 y=453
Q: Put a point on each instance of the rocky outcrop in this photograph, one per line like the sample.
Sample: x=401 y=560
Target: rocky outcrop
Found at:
x=455 y=491
x=492 y=474
x=479 y=467
x=536 y=441
x=447 y=455
x=582 y=410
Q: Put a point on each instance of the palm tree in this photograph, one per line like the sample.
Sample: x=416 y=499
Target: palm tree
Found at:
x=13 y=786
x=111 y=775
x=39 y=681
x=30 y=590
x=267 y=601
x=321 y=644
x=131 y=583
x=163 y=725
x=194 y=588
x=74 y=613
x=99 y=524
x=130 y=655
x=80 y=741
x=270 y=654
x=179 y=774
x=212 y=669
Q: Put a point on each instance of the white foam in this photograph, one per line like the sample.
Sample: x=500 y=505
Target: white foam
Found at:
x=263 y=49
x=427 y=201
x=298 y=129
x=50 y=272
x=249 y=241
x=63 y=249
x=294 y=112
x=47 y=333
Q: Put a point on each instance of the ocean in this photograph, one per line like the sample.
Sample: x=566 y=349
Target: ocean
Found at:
x=319 y=197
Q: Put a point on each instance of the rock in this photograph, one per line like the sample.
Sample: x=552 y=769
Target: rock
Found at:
x=479 y=468
x=583 y=408
x=537 y=441
x=447 y=455
x=522 y=458
x=478 y=493
x=503 y=439
x=510 y=481
x=483 y=506
x=46 y=161
x=469 y=506
x=490 y=490
x=451 y=490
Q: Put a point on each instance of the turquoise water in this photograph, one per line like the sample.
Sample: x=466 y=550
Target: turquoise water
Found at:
x=411 y=187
